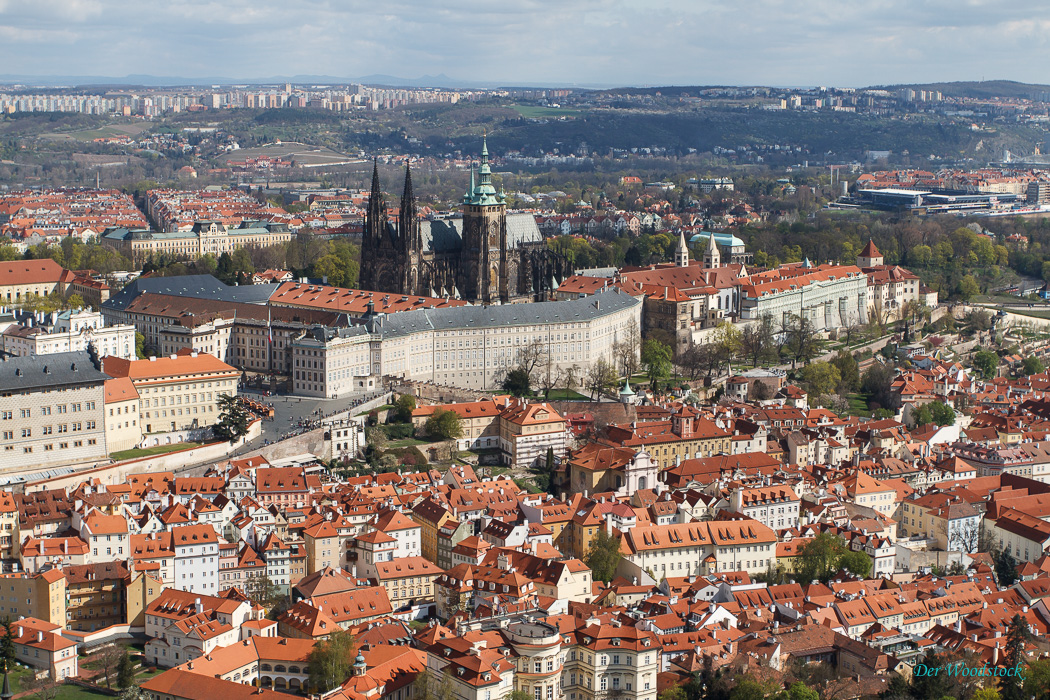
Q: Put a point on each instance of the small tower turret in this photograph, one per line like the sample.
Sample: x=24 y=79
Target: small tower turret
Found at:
x=712 y=258
x=681 y=253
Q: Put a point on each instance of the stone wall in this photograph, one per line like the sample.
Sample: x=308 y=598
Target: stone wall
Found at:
x=118 y=473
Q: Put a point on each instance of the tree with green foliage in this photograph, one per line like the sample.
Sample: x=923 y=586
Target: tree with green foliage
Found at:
x=728 y=341
x=7 y=642
x=140 y=345
x=234 y=418
x=261 y=589
x=968 y=288
x=75 y=301
x=1037 y=680
x=877 y=383
x=444 y=425
x=818 y=559
x=331 y=661
x=656 y=359
x=800 y=691
x=748 y=688
x=421 y=686
x=922 y=415
x=986 y=362
x=920 y=255
x=942 y=413
x=986 y=694
x=125 y=671
x=1018 y=636
x=1032 y=365
x=675 y=692
x=857 y=563
x=1005 y=568
x=849 y=371
x=403 y=407
x=820 y=378
x=517 y=382
x=603 y=556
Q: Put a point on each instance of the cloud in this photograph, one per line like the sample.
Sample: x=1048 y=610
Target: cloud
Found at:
x=827 y=42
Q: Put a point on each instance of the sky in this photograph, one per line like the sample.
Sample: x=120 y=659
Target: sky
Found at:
x=847 y=43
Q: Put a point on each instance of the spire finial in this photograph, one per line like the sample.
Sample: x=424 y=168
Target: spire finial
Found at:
x=6 y=693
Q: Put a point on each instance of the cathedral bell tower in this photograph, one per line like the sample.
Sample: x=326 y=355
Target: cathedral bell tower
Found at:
x=409 y=240
x=484 y=263
x=374 y=260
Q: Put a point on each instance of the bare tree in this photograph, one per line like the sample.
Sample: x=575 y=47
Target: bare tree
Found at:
x=573 y=377
x=967 y=537
x=756 y=340
x=108 y=658
x=550 y=376
x=801 y=338
x=533 y=355
x=850 y=328
x=627 y=349
x=600 y=377
x=878 y=320
x=44 y=688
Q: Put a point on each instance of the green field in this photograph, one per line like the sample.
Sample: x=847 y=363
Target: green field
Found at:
x=544 y=112
x=75 y=692
x=100 y=132
x=858 y=405
x=1034 y=312
x=155 y=450
x=407 y=442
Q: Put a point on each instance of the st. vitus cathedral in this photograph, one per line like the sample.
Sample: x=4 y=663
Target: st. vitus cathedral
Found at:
x=485 y=257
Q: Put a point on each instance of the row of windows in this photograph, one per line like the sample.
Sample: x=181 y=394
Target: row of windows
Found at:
x=50 y=446
x=49 y=429
x=46 y=410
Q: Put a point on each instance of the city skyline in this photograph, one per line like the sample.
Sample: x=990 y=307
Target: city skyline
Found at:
x=581 y=42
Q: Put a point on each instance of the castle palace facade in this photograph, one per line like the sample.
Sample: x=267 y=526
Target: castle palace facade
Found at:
x=485 y=256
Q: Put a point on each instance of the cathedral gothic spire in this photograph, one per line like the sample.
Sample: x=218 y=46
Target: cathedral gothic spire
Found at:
x=408 y=221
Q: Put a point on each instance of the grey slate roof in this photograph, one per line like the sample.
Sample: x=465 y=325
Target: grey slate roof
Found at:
x=326 y=333
x=63 y=369
x=444 y=235
x=538 y=313
x=203 y=286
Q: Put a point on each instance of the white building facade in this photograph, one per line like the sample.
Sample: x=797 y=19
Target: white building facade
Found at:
x=466 y=346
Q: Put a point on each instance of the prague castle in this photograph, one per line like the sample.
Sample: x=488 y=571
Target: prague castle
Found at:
x=486 y=256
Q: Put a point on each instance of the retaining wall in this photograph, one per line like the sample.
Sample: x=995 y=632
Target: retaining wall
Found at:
x=171 y=461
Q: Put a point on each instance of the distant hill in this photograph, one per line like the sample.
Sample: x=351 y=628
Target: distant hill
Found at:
x=977 y=89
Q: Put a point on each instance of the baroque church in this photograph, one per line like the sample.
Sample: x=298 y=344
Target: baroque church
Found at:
x=485 y=256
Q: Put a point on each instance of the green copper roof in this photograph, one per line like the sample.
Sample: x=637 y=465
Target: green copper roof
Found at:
x=483 y=193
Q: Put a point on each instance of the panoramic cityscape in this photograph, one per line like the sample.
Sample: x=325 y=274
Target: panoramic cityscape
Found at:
x=560 y=351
